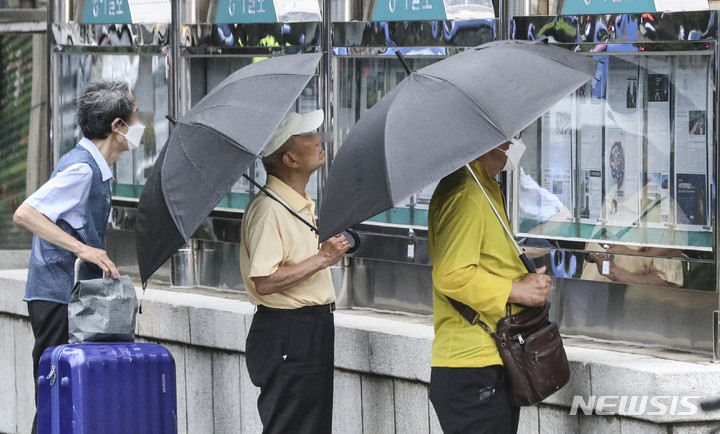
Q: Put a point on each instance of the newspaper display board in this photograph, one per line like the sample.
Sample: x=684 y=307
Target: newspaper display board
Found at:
x=628 y=155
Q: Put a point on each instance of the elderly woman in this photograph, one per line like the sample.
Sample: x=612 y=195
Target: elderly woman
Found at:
x=69 y=214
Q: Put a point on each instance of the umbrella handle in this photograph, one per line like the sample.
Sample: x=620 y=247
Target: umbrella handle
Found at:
x=356 y=240
x=528 y=265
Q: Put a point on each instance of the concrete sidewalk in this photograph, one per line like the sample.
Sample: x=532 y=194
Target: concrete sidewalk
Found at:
x=382 y=371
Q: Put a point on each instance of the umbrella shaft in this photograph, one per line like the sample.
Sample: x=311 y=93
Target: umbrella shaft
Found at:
x=497 y=214
x=526 y=262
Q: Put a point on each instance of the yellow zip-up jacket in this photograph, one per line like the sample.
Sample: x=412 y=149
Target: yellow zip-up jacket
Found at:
x=474 y=262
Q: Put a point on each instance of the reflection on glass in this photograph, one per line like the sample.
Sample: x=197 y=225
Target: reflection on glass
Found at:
x=359 y=85
x=204 y=73
x=628 y=155
x=147 y=77
x=622 y=264
x=540 y=206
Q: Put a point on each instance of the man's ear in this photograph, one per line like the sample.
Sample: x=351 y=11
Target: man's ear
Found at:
x=289 y=160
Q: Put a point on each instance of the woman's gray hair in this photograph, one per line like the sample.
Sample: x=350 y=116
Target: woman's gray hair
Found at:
x=100 y=104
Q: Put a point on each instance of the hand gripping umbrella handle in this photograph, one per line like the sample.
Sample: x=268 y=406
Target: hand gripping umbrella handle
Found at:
x=526 y=262
x=356 y=240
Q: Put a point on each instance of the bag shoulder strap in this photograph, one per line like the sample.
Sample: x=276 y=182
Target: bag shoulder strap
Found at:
x=473 y=317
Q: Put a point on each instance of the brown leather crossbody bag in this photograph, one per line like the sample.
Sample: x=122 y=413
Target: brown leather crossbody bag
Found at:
x=531 y=349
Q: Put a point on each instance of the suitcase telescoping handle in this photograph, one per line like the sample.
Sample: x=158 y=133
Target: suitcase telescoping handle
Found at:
x=78 y=263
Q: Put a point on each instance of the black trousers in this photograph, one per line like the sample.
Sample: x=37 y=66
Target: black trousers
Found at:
x=473 y=401
x=49 y=322
x=290 y=357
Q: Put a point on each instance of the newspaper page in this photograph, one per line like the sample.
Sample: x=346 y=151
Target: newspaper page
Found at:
x=591 y=160
x=691 y=143
x=623 y=142
x=557 y=139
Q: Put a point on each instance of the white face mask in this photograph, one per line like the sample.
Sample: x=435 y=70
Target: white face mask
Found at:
x=134 y=135
x=514 y=154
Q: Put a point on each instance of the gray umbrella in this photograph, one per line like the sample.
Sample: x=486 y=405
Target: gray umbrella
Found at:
x=209 y=149
x=440 y=118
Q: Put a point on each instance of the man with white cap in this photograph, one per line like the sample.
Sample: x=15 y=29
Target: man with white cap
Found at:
x=290 y=347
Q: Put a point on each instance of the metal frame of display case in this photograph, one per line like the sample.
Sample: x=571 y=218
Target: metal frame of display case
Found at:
x=383 y=274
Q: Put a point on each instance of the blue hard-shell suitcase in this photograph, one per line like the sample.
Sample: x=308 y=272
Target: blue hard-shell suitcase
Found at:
x=107 y=388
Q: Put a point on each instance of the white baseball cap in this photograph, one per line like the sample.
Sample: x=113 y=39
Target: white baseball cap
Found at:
x=292 y=124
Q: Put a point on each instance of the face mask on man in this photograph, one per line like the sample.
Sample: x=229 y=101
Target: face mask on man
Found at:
x=134 y=135
x=514 y=154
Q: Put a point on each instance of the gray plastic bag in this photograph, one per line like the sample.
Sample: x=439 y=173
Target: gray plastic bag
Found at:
x=102 y=310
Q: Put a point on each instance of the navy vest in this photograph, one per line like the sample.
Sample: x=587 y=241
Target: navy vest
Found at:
x=51 y=273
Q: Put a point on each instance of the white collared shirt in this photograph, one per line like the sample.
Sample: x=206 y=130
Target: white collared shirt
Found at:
x=64 y=197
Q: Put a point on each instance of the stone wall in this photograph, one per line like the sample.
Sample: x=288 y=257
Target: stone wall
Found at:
x=381 y=378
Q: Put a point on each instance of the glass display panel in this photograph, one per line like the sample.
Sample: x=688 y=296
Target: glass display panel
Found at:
x=359 y=84
x=203 y=74
x=147 y=76
x=627 y=158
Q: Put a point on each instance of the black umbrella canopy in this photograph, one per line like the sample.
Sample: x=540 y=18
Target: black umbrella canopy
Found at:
x=440 y=118
x=209 y=149
x=154 y=222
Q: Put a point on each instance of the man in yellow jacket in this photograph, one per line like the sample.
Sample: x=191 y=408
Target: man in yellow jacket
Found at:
x=475 y=263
